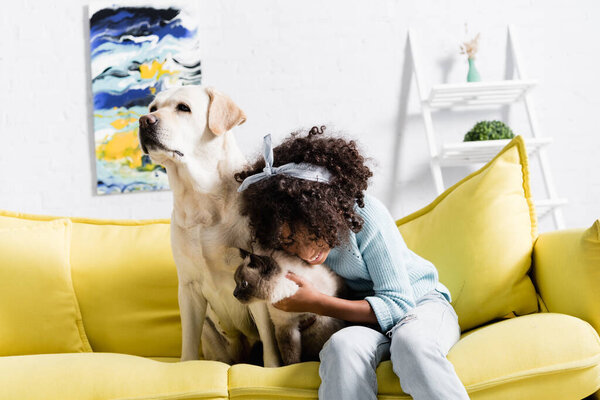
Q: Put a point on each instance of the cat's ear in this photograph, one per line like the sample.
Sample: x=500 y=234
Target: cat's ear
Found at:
x=268 y=266
x=244 y=253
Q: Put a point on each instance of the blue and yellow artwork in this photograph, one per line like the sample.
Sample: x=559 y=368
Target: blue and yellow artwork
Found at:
x=136 y=51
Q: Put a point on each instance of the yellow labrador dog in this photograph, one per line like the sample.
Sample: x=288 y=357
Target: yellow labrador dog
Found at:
x=188 y=131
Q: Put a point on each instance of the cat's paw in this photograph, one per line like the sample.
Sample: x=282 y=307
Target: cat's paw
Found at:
x=285 y=288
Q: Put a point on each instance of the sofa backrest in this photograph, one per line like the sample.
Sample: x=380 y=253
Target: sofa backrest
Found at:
x=479 y=234
x=125 y=283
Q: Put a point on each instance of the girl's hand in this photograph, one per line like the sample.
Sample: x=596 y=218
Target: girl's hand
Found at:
x=306 y=299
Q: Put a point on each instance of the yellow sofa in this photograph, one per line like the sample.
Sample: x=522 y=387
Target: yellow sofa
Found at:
x=88 y=308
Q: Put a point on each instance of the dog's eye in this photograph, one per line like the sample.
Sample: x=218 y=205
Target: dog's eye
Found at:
x=244 y=284
x=183 y=107
x=153 y=108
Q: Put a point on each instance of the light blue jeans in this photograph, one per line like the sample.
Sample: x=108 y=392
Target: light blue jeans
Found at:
x=417 y=345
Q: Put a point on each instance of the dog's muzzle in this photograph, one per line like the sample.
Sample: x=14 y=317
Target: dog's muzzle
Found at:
x=148 y=124
x=148 y=121
x=148 y=134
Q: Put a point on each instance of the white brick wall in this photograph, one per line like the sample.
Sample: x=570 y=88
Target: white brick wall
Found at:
x=293 y=64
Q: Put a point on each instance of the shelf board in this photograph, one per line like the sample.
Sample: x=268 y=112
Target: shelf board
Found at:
x=480 y=152
x=478 y=94
x=544 y=207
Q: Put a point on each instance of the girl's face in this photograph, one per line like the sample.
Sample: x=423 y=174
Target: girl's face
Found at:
x=302 y=244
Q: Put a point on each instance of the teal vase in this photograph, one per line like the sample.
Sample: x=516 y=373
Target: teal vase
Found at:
x=473 y=75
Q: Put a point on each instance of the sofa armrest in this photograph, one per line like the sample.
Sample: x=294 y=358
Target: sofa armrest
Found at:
x=566 y=272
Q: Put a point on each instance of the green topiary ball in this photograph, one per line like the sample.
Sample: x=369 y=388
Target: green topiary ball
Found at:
x=489 y=130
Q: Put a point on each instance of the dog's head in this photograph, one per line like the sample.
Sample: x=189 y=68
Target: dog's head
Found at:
x=184 y=121
x=252 y=277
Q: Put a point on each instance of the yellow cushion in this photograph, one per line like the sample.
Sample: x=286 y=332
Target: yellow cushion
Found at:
x=296 y=381
x=533 y=357
x=479 y=234
x=126 y=282
x=540 y=356
x=567 y=272
x=90 y=376
x=38 y=308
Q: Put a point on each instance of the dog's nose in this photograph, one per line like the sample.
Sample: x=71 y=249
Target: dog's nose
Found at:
x=148 y=120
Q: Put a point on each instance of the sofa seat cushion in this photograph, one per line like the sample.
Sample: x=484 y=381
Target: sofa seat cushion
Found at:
x=538 y=356
x=296 y=381
x=479 y=234
x=81 y=376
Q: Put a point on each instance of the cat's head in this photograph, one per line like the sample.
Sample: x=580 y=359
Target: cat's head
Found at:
x=252 y=277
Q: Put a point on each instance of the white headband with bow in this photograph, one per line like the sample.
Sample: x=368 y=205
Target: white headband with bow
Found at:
x=302 y=170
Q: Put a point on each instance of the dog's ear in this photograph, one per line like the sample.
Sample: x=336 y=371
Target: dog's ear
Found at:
x=244 y=253
x=223 y=113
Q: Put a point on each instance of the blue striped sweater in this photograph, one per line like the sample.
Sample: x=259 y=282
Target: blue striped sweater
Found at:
x=378 y=266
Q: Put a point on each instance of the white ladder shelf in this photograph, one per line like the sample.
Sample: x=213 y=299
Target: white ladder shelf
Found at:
x=478 y=95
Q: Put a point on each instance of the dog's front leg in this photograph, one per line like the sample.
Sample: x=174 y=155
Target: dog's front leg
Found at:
x=192 y=305
x=261 y=317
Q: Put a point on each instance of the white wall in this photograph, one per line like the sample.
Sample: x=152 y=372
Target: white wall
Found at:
x=293 y=64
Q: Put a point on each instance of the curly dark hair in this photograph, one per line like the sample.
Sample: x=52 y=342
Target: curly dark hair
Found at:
x=327 y=210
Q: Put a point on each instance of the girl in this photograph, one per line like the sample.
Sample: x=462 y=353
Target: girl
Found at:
x=309 y=201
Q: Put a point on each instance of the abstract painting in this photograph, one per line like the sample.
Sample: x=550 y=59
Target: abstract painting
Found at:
x=135 y=52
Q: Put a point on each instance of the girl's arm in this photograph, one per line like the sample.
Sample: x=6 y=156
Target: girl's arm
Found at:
x=308 y=299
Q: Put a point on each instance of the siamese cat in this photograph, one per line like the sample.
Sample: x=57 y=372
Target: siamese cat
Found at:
x=300 y=336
